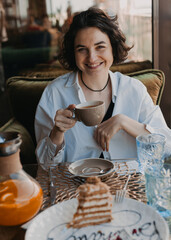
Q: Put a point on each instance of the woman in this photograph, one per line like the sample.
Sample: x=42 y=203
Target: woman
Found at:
x=92 y=44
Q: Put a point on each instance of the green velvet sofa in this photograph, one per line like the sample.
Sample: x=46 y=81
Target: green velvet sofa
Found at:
x=24 y=93
x=55 y=69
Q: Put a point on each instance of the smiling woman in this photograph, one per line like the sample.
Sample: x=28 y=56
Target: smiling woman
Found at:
x=91 y=45
x=93 y=56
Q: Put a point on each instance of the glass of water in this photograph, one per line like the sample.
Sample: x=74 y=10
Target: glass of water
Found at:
x=150 y=151
x=158 y=190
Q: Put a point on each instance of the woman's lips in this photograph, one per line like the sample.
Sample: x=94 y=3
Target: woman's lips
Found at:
x=94 y=65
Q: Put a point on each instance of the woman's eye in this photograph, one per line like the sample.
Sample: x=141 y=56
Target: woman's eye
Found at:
x=100 y=47
x=81 y=50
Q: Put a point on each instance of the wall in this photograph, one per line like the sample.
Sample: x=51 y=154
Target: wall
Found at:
x=162 y=50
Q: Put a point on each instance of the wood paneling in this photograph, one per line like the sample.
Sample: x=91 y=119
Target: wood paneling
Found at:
x=162 y=50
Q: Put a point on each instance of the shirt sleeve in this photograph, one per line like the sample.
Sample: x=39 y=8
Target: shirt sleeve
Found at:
x=46 y=150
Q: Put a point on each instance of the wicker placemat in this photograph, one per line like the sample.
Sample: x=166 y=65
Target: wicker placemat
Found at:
x=65 y=185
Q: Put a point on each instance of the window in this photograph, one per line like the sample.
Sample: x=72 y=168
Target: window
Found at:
x=135 y=19
x=34 y=28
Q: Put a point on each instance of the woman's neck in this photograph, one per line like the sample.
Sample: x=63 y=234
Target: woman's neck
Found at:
x=96 y=81
x=105 y=95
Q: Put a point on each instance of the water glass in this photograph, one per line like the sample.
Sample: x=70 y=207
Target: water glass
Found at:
x=150 y=151
x=158 y=190
x=51 y=169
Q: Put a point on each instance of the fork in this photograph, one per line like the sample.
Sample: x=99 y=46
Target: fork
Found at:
x=120 y=194
x=52 y=186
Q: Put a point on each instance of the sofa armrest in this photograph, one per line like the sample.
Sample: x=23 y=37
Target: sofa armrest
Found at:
x=130 y=67
x=154 y=80
x=27 y=148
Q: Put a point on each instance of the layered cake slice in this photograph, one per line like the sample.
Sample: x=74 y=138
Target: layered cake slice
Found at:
x=94 y=204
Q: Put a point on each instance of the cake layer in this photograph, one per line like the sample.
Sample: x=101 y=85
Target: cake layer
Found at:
x=95 y=202
x=98 y=195
x=93 y=215
x=103 y=207
x=90 y=222
x=92 y=193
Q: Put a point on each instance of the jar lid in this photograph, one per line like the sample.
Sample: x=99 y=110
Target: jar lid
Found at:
x=9 y=143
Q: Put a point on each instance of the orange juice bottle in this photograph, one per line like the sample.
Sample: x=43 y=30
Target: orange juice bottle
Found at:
x=20 y=195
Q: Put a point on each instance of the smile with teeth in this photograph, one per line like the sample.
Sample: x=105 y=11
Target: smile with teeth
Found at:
x=94 y=65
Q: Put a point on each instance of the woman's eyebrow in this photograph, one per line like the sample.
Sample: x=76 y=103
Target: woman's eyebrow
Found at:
x=80 y=45
x=101 y=42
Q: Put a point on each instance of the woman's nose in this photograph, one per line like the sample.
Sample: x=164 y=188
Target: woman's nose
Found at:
x=92 y=56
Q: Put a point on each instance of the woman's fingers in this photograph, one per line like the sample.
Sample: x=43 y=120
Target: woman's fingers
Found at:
x=107 y=144
x=102 y=138
x=63 y=119
x=106 y=130
x=63 y=116
x=71 y=106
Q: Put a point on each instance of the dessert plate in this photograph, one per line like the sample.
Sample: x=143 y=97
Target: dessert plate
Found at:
x=132 y=220
x=91 y=167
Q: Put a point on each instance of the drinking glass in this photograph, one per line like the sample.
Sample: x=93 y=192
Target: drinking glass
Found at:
x=50 y=167
x=158 y=190
x=52 y=179
x=150 y=151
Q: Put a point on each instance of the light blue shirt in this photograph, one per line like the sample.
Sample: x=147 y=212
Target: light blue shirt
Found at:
x=131 y=99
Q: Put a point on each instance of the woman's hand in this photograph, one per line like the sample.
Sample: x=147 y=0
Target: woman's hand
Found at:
x=63 y=121
x=106 y=130
x=63 y=118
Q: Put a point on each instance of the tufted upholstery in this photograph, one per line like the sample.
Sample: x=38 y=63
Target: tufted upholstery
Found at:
x=55 y=69
x=25 y=92
x=154 y=80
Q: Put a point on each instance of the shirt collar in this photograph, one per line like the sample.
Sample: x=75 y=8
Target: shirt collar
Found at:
x=114 y=82
x=73 y=80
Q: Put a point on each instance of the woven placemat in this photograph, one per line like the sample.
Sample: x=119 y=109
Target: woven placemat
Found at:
x=65 y=185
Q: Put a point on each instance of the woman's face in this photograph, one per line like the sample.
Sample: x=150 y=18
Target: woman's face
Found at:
x=93 y=51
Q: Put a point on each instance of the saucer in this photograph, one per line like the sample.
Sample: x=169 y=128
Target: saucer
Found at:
x=90 y=167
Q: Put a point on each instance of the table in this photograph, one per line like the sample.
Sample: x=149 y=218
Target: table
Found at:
x=65 y=188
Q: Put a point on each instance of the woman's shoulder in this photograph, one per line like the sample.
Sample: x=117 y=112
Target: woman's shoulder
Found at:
x=127 y=80
x=60 y=82
x=57 y=86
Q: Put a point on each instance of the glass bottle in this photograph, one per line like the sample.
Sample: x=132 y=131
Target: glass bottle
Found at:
x=20 y=195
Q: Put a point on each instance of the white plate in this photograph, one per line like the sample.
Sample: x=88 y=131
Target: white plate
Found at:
x=133 y=220
x=91 y=167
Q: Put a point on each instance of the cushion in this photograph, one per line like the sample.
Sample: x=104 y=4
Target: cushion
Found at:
x=44 y=73
x=24 y=95
x=55 y=69
x=131 y=67
x=154 y=80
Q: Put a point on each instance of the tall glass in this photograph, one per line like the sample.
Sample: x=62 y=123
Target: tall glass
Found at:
x=158 y=190
x=150 y=151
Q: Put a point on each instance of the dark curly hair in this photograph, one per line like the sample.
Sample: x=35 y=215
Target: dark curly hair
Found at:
x=93 y=17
